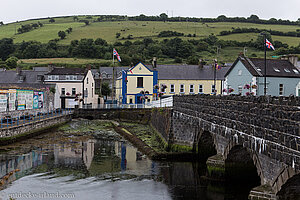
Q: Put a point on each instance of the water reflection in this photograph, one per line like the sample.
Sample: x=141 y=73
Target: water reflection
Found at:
x=99 y=169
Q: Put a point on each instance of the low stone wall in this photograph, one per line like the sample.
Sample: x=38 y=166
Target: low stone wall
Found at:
x=136 y=115
x=161 y=120
x=12 y=134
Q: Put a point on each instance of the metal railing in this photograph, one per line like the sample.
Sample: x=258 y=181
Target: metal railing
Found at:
x=116 y=106
x=9 y=122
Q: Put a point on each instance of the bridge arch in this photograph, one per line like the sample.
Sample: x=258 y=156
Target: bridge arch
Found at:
x=237 y=152
x=205 y=143
x=287 y=177
x=290 y=187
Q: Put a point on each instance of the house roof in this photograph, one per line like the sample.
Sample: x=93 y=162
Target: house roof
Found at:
x=29 y=76
x=109 y=70
x=275 y=67
x=189 y=72
x=68 y=71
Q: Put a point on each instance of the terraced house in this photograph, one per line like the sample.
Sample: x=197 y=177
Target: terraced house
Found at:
x=141 y=81
x=282 y=77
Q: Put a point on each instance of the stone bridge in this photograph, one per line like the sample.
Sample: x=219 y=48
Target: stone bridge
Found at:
x=264 y=130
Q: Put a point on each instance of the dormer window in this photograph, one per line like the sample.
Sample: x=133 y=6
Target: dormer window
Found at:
x=287 y=70
x=258 y=69
x=39 y=77
x=296 y=71
x=276 y=69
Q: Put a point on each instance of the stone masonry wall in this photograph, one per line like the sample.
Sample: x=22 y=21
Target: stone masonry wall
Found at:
x=161 y=120
x=33 y=126
x=265 y=125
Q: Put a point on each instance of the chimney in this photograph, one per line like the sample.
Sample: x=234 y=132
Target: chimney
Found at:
x=200 y=64
x=293 y=59
x=154 y=62
x=50 y=67
x=18 y=70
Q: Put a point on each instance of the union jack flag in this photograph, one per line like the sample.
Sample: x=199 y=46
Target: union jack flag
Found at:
x=269 y=45
x=116 y=54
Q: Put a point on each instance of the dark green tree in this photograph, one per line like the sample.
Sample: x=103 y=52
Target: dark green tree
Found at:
x=105 y=89
x=6 y=48
x=51 y=20
x=163 y=17
x=12 y=62
x=61 y=34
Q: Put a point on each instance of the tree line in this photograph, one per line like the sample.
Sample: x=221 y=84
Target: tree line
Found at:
x=256 y=30
x=133 y=51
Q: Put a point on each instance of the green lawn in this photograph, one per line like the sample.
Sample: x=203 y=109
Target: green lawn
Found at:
x=138 y=29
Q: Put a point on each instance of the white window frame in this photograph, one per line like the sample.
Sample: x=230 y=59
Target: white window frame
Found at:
x=192 y=88
x=240 y=89
x=281 y=89
x=68 y=77
x=200 y=88
x=172 y=88
x=240 y=72
x=56 y=77
x=181 y=88
x=213 y=88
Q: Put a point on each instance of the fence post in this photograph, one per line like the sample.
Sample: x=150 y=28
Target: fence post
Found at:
x=18 y=120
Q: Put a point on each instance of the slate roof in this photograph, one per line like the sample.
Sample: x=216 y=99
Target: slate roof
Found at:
x=68 y=71
x=109 y=70
x=10 y=76
x=189 y=72
x=275 y=67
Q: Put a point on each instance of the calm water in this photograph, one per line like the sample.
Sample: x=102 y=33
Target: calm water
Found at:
x=62 y=165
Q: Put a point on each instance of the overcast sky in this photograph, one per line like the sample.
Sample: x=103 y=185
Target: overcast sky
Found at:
x=17 y=10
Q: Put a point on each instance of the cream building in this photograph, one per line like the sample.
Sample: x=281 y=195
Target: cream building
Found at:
x=74 y=86
x=179 y=79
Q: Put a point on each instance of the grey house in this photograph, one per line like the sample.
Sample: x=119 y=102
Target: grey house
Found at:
x=283 y=77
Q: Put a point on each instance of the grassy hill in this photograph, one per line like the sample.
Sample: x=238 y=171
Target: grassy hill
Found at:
x=138 y=29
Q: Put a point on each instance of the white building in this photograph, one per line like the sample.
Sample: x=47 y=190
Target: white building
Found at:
x=73 y=86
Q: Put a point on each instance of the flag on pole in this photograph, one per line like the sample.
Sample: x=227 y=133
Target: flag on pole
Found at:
x=269 y=45
x=118 y=56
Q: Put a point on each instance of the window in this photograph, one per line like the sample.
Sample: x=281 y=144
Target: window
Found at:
x=56 y=77
x=258 y=69
x=181 y=88
x=68 y=78
x=281 y=89
x=139 y=82
x=287 y=70
x=39 y=77
x=92 y=84
x=240 y=72
x=296 y=71
x=87 y=80
x=92 y=92
x=163 y=89
x=49 y=77
x=130 y=101
x=63 y=91
x=192 y=89
x=73 y=91
x=172 y=88
x=86 y=93
x=276 y=69
x=240 y=89
x=201 y=89
x=213 y=88
x=74 y=78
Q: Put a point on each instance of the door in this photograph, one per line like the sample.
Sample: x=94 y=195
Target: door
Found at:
x=138 y=99
x=63 y=103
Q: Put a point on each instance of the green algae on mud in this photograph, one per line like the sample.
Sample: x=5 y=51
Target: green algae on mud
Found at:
x=145 y=133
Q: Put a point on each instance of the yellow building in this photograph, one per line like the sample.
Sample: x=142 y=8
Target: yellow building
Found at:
x=190 y=79
x=136 y=85
x=179 y=79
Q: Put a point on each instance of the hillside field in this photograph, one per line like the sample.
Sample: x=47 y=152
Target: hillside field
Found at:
x=138 y=29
